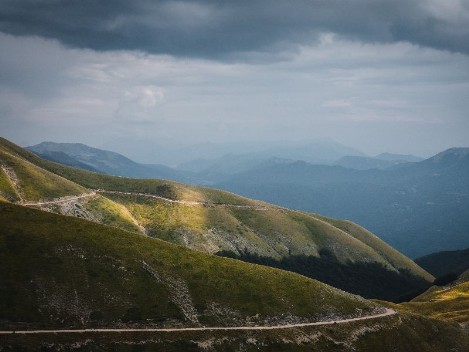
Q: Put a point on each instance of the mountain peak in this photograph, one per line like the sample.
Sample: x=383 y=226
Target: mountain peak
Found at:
x=451 y=153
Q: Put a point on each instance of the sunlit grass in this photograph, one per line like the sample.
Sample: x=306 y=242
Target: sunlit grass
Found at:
x=110 y=213
x=6 y=188
x=36 y=183
x=450 y=303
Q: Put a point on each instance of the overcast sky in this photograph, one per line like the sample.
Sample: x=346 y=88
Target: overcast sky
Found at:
x=378 y=75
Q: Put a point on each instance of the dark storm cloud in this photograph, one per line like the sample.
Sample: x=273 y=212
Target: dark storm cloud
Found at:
x=217 y=28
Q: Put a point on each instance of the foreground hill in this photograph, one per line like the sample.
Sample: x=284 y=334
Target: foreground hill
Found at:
x=442 y=263
x=62 y=272
x=336 y=252
x=69 y=272
x=418 y=207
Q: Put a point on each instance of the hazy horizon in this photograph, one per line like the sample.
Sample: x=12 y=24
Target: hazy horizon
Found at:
x=174 y=155
x=379 y=76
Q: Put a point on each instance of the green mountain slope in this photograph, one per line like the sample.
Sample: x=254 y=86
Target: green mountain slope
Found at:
x=220 y=222
x=32 y=182
x=61 y=271
x=7 y=188
x=448 y=303
x=390 y=254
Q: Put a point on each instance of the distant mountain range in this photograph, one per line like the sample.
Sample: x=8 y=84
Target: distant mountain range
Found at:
x=381 y=161
x=318 y=151
x=418 y=206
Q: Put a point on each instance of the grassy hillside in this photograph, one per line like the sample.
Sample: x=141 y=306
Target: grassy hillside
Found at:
x=107 y=212
x=389 y=253
x=33 y=183
x=448 y=303
x=7 y=189
x=63 y=271
x=67 y=272
x=224 y=223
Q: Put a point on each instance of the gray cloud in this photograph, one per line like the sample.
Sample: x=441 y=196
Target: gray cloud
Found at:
x=376 y=97
x=220 y=29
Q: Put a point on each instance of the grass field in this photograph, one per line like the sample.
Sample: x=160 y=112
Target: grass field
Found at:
x=64 y=271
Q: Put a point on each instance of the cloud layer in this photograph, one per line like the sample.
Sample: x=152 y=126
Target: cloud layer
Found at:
x=377 y=97
x=380 y=75
x=226 y=28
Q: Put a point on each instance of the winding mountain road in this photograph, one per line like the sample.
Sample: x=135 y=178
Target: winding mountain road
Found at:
x=93 y=193
x=184 y=202
x=386 y=313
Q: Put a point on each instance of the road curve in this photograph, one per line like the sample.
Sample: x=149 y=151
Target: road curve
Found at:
x=387 y=312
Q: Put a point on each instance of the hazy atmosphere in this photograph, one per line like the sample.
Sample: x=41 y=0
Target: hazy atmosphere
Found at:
x=243 y=175
x=375 y=75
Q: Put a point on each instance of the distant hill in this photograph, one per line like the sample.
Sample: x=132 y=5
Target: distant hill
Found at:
x=381 y=161
x=216 y=222
x=442 y=263
x=61 y=157
x=418 y=207
x=364 y=163
x=88 y=158
x=317 y=152
x=206 y=172
x=399 y=157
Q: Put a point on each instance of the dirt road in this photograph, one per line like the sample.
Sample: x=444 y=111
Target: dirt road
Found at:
x=387 y=312
x=184 y=202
